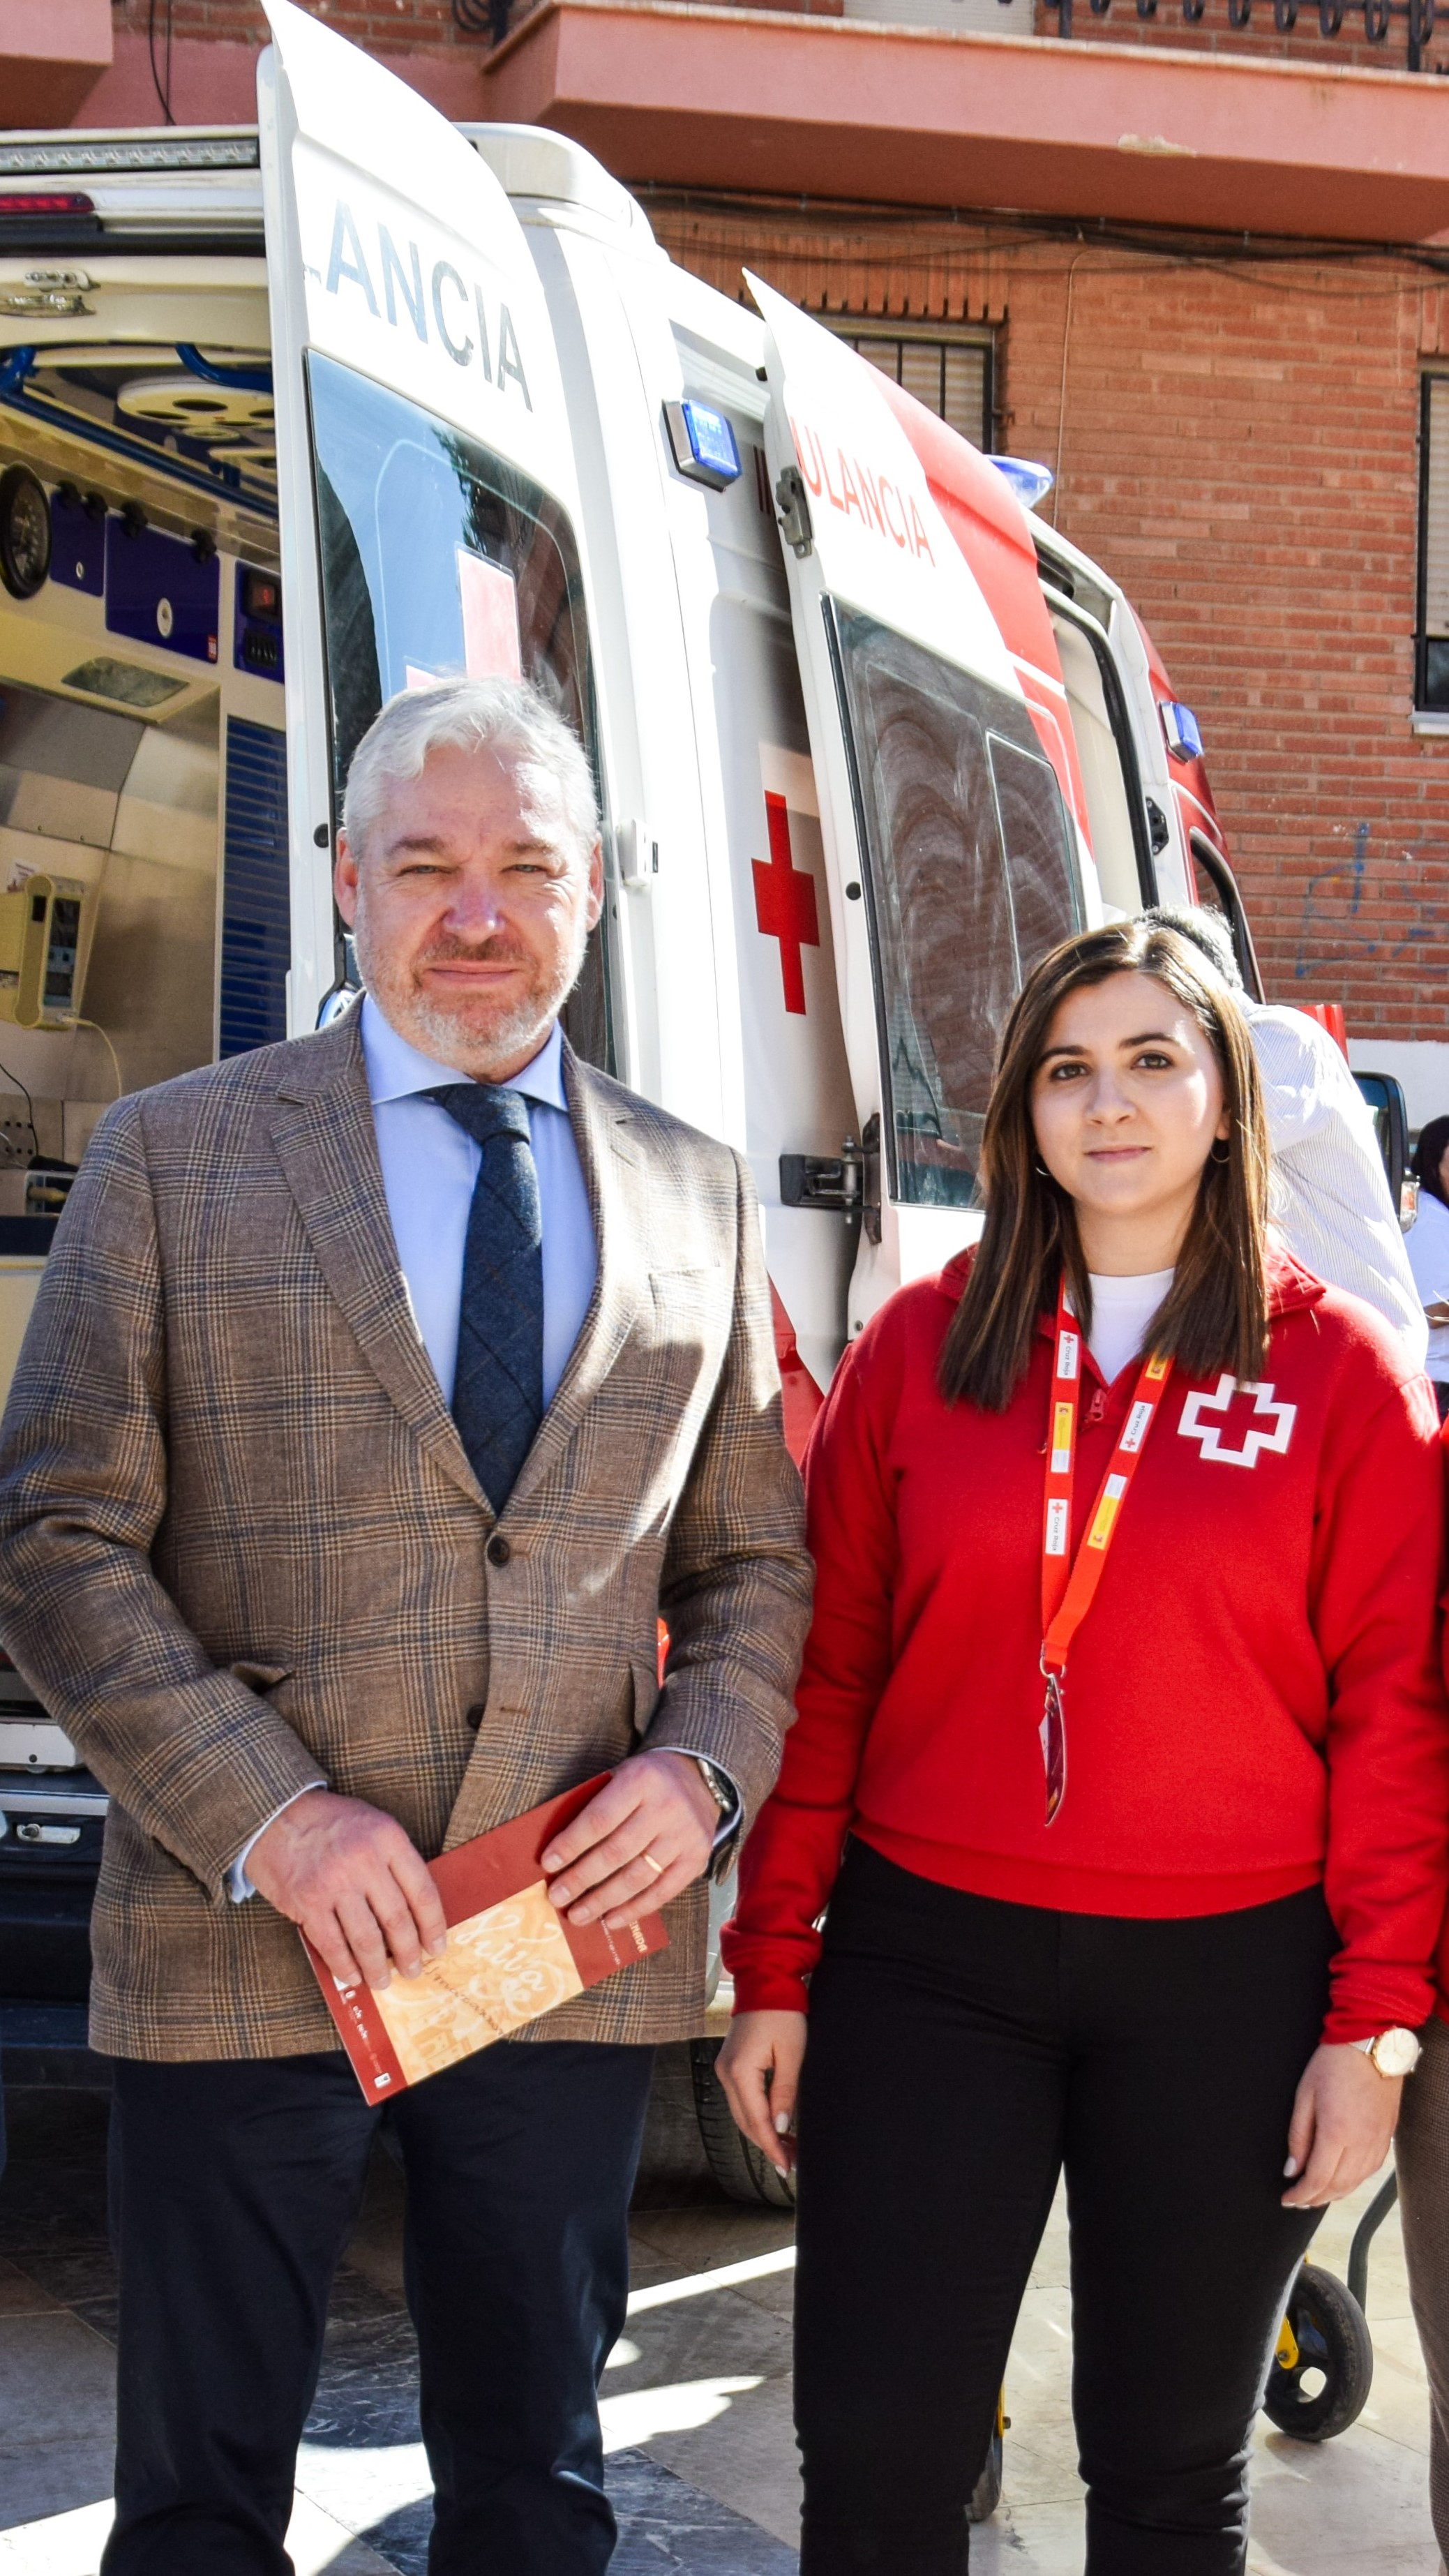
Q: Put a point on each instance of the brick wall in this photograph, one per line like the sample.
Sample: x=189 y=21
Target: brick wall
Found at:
x=1239 y=448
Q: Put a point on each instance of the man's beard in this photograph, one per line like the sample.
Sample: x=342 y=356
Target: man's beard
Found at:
x=472 y=1033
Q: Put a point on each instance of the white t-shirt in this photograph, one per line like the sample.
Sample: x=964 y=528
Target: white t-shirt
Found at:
x=1329 y=1195
x=1427 y=1245
x=1122 y=1309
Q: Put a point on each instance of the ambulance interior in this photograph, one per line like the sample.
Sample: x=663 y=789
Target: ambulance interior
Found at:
x=141 y=735
x=142 y=658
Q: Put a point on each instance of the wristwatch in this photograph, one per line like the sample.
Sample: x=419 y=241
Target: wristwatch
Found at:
x=1394 y=2052
x=721 y=1788
x=727 y=1833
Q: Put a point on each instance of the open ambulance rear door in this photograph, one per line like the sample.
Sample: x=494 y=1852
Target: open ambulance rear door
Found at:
x=951 y=860
x=426 y=477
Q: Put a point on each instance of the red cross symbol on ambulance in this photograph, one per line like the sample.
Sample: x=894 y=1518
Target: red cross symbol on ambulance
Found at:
x=785 y=903
x=1270 y=1429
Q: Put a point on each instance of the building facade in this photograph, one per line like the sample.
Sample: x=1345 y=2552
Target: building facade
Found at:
x=1201 y=270
x=1240 y=441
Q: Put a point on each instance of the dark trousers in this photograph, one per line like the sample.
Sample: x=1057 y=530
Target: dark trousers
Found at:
x=234 y=2189
x=961 y=2053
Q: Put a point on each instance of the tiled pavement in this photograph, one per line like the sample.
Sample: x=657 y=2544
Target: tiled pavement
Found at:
x=696 y=2402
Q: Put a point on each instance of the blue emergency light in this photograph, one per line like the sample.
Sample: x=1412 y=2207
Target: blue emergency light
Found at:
x=703 y=444
x=1181 y=728
x=1029 y=481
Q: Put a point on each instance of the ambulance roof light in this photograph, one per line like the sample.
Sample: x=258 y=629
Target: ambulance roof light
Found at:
x=1184 y=735
x=703 y=443
x=1029 y=481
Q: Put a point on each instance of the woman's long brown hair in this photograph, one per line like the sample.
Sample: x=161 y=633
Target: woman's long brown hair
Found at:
x=1215 y=1315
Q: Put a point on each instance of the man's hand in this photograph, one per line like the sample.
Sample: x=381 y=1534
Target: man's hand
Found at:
x=759 y=2067
x=635 y=1846
x=348 y=1875
x=1344 y=2117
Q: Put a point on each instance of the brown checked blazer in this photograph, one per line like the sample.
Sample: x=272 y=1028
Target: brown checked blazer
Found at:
x=240 y=1542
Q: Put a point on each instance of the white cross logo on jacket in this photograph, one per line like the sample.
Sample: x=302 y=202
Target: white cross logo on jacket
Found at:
x=1255 y=1442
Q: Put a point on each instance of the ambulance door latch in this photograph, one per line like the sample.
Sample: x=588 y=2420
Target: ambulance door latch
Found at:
x=847 y=1183
x=794 y=506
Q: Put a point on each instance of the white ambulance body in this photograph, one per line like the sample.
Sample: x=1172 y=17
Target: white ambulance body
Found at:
x=316 y=416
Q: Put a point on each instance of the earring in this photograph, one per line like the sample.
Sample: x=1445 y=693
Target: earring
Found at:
x=1226 y=1155
x=1041 y=1167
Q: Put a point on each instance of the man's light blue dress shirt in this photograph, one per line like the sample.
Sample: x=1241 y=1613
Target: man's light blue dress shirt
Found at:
x=429 y=1166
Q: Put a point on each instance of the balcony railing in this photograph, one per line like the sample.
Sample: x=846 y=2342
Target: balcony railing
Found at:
x=1335 y=18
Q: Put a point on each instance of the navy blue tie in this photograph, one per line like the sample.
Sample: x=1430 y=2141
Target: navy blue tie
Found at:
x=498 y=1390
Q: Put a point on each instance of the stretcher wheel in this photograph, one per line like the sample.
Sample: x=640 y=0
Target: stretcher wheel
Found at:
x=1324 y=2367
x=737 y=2166
x=986 y=2495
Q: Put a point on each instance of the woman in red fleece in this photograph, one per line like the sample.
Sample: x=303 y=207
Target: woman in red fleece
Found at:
x=1122 y=1764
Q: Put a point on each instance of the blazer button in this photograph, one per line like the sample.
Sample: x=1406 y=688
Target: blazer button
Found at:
x=499 y=1550
x=474 y=1716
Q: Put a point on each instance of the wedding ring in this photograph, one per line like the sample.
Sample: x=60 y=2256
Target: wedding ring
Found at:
x=650 y=1862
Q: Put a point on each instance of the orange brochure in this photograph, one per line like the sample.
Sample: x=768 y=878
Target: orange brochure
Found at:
x=510 y=1957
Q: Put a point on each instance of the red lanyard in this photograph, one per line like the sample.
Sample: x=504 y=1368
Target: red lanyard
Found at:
x=1068 y=1590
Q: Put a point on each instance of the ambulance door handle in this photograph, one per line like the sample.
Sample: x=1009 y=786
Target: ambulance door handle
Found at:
x=793 y=505
x=635 y=855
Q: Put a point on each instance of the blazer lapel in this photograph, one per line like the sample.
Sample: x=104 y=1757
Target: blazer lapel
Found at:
x=613 y=1177
x=326 y=1143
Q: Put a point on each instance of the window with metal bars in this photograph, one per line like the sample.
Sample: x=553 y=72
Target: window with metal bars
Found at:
x=952 y=377
x=1431 y=656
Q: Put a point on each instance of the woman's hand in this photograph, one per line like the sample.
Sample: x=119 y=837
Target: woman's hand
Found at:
x=759 y=2067
x=1344 y=2117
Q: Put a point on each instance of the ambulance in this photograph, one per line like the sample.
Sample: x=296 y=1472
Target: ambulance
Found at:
x=293 y=419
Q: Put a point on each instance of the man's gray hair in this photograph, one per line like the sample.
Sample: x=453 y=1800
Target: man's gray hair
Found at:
x=1209 y=931
x=505 y=716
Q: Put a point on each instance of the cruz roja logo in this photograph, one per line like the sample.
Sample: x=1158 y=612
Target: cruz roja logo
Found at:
x=410 y=292
x=1256 y=1441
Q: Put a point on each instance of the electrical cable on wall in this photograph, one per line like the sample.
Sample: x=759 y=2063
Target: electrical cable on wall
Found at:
x=97 y=1031
x=16 y=1084
x=1177 y=245
x=163 y=93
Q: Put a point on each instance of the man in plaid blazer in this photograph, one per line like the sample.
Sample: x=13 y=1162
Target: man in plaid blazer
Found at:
x=248 y=1561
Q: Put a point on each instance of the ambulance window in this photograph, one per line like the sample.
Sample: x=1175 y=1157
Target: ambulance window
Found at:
x=971 y=880
x=437 y=559
x=1113 y=796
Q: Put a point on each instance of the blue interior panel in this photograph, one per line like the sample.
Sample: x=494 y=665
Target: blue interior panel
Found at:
x=158 y=593
x=77 y=545
x=256 y=931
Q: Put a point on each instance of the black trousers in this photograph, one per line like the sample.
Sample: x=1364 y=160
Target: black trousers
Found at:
x=961 y=2053
x=234 y=2188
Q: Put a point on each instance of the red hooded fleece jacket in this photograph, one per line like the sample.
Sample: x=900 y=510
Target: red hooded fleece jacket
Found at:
x=1254 y=1702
